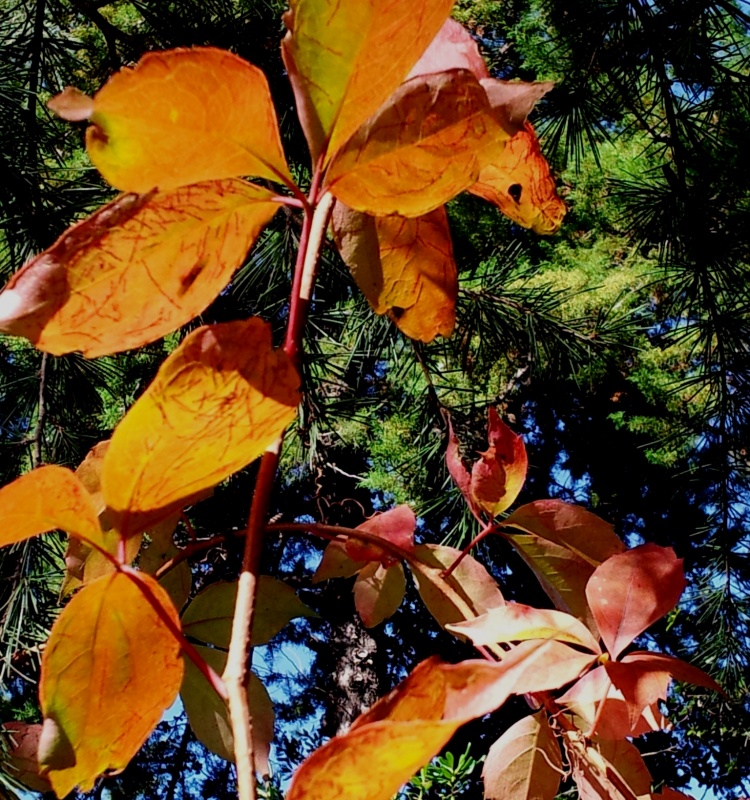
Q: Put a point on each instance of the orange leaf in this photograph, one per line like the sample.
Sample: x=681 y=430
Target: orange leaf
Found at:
x=215 y=405
x=208 y=714
x=423 y=147
x=498 y=476
x=22 y=757
x=452 y=48
x=345 y=59
x=631 y=590
x=562 y=574
x=468 y=591
x=515 y=622
x=185 y=116
x=107 y=677
x=378 y=592
x=46 y=499
x=524 y=763
x=404 y=267
x=520 y=184
x=624 y=758
x=135 y=270
x=395 y=526
x=585 y=534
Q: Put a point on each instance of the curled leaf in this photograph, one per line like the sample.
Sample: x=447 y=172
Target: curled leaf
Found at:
x=137 y=269
x=219 y=400
x=185 y=116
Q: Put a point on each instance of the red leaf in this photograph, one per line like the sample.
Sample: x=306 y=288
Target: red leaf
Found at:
x=631 y=590
x=395 y=526
x=452 y=48
x=457 y=470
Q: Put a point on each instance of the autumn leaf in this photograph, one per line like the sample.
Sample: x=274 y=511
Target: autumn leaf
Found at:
x=209 y=616
x=345 y=59
x=178 y=581
x=524 y=763
x=336 y=563
x=452 y=48
x=467 y=592
x=181 y=117
x=208 y=715
x=138 y=268
x=378 y=592
x=21 y=761
x=395 y=526
x=46 y=499
x=404 y=267
x=105 y=685
x=583 y=533
x=631 y=590
x=423 y=147
x=219 y=400
x=520 y=184
x=515 y=622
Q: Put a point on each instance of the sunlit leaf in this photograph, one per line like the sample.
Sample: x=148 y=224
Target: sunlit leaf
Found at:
x=404 y=267
x=631 y=590
x=378 y=592
x=345 y=59
x=452 y=48
x=468 y=591
x=395 y=526
x=425 y=146
x=524 y=763
x=585 y=534
x=209 y=616
x=22 y=758
x=137 y=269
x=184 y=116
x=596 y=778
x=515 y=622
x=109 y=670
x=498 y=476
x=561 y=573
x=624 y=759
x=208 y=715
x=46 y=499
x=216 y=404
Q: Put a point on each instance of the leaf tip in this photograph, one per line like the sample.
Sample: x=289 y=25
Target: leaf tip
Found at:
x=72 y=105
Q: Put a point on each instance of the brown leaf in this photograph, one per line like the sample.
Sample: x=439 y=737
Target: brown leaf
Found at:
x=185 y=116
x=404 y=267
x=631 y=590
x=138 y=268
x=519 y=183
x=512 y=101
x=378 y=592
x=219 y=400
x=445 y=134
x=524 y=763
x=345 y=59
x=104 y=683
x=22 y=757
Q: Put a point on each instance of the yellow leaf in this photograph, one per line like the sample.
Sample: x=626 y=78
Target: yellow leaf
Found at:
x=135 y=270
x=425 y=146
x=110 y=669
x=215 y=405
x=404 y=267
x=345 y=59
x=46 y=499
x=520 y=184
x=185 y=116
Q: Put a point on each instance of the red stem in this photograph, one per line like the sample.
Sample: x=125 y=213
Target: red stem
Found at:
x=488 y=529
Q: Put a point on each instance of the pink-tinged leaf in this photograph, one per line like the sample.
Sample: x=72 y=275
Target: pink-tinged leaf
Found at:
x=625 y=759
x=632 y=590
x=111 y=668
x=670 y=794
x=336 y=563
x=461 y=476
x=597 y=778
x=524 y=763
x=542 y=665
x=138 y=268
x=46 y=499
x=395 y=526
x=452 y=48
x=378 y=592
x=498 y=476
x=22 y=762
x=561 y=573
x=585 y=534
x=345 y=59
x=467 y=592
x=516 y=622
x=446 y=133
x=72 y=105
x=511 y=102
x=404 y=267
